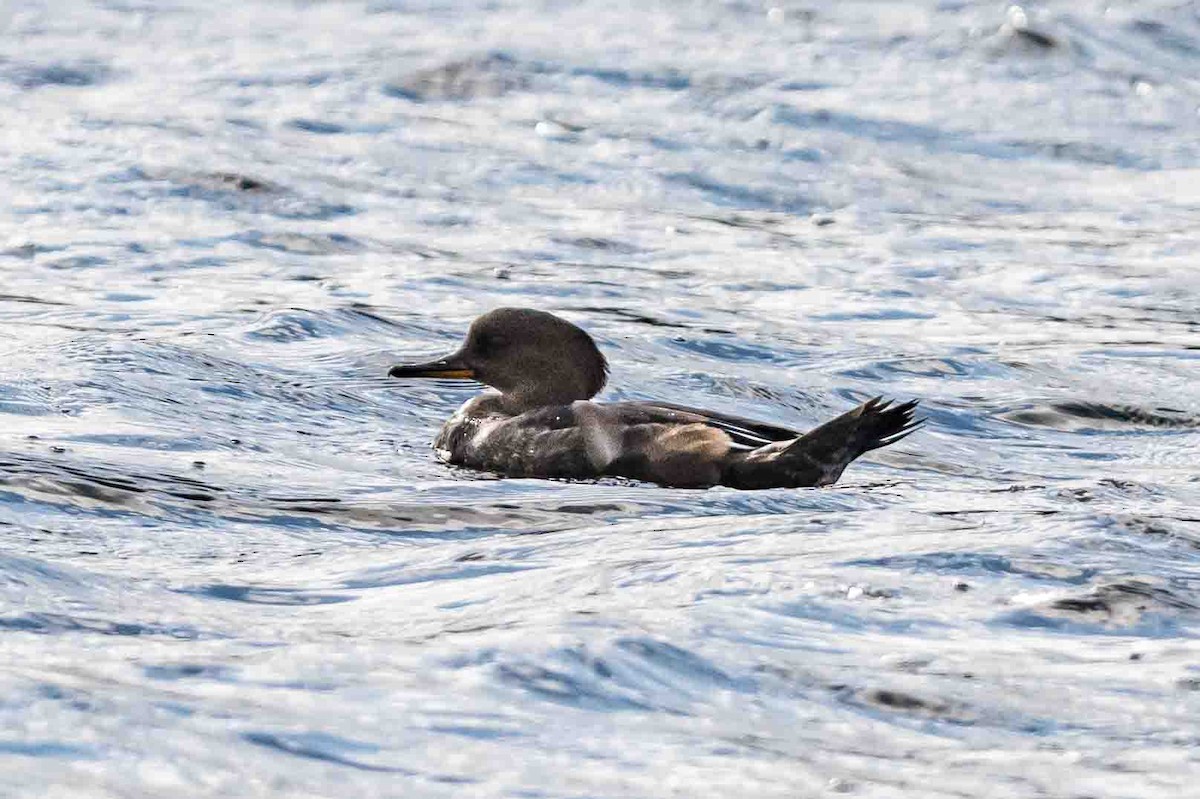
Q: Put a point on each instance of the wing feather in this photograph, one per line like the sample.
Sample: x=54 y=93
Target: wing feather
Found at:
x=744 y=433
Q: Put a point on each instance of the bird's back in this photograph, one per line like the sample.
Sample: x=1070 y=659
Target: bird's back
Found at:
x=666 y=444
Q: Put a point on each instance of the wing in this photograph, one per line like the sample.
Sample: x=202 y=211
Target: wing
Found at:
x=745 y=433
x=818 y=457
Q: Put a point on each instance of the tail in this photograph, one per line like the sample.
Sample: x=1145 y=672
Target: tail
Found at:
x=818 y=457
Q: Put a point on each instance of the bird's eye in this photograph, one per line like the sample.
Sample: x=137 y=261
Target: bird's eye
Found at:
x=490 y=344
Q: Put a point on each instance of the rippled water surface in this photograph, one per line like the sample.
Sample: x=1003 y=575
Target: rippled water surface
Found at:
x=231 y=566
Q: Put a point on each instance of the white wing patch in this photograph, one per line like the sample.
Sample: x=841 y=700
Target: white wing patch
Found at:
x=601 y=435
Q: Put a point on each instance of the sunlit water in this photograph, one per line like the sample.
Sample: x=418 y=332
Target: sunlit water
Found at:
x=231 y=565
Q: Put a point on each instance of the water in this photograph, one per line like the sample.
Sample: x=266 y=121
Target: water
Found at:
x=231 y=565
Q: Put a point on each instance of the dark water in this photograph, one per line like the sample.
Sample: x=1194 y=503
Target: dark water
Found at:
x=232 y=567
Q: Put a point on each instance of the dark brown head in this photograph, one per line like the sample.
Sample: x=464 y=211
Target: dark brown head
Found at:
x=533 y=358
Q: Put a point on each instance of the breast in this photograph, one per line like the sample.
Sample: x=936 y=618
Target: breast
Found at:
x=458 y=435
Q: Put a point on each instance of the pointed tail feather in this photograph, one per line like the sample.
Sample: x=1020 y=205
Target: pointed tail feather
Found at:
x=818 y=457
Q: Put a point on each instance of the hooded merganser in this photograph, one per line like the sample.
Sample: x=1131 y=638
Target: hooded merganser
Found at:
x=540 y=421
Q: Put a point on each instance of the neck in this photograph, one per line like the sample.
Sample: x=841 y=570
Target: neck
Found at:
x=520 y=401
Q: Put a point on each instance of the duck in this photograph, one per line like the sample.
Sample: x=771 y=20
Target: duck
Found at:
x=539 y=419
